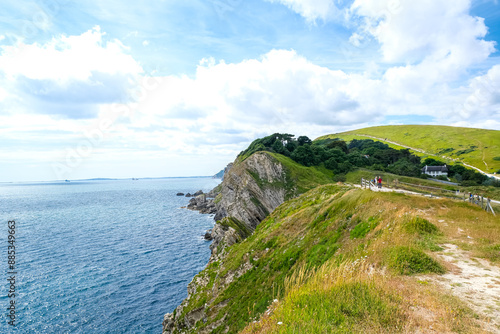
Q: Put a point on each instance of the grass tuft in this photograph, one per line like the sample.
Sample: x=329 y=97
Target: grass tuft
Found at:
x=408 y=261
x=363 y=228
x=420 y=226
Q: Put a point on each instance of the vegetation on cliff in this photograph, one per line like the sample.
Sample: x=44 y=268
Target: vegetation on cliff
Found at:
x=338 y=259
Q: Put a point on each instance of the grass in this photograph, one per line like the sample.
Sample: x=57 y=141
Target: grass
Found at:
x=472 y=146
x=363 y=228
x=242 y=229
x=407 y=260
x=335 y=299
x=323 y=254
x=420 y=226
x=300 y=178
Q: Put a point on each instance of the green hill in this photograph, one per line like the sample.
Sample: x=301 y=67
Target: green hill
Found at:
x=477 y=147
x=340 y=260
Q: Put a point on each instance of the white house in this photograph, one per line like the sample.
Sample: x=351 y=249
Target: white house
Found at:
x=435 y=170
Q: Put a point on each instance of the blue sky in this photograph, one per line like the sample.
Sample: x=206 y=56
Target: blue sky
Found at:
x=178 y=88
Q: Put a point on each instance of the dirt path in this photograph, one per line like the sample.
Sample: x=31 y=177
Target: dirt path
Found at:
x=474 y=281
x=424 y=152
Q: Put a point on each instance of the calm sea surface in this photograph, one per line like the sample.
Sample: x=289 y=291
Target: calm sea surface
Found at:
x=100 y=256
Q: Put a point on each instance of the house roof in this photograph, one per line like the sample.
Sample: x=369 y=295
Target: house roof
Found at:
x=435 y=169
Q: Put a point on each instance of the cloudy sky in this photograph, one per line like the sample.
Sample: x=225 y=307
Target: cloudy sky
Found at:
x=179 y=87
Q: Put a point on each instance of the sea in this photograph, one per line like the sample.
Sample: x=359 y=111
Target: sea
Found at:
x=99 y=256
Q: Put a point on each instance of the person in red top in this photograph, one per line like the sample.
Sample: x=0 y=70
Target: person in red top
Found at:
x=379 y=181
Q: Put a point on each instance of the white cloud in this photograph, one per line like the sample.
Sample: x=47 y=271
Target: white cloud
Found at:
x=69 y=75
x=433 y=30
x=67 y=58
x=437 y=41
x=280 y=88
x=311 y=10
x=482 y=102
x=356 y=39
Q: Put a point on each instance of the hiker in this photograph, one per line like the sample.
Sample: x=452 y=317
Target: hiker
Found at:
x=379 y=181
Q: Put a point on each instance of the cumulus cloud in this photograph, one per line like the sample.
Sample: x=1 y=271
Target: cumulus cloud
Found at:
x=433 y=30
x=437 y=42
x=482 y=103
x=68 y=58
x=68 y=73
x=311 y=10
x=280 y=88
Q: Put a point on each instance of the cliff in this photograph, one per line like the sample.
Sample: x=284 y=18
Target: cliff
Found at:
x=251 y=189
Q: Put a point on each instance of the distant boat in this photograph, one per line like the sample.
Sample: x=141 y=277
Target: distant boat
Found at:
x=66 y=180
x=134 y=179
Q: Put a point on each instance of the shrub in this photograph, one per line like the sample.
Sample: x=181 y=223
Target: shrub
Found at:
x=339 y=178
x=409 y=260
x=420 y=226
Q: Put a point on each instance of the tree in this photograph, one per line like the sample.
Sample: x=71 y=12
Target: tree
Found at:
x=332 y=164
x=431 y=162
x=304 y=140
x=338 y=143
x=304 y=155
x=279 y=148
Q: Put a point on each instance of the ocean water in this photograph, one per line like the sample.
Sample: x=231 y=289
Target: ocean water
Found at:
x=100 y=256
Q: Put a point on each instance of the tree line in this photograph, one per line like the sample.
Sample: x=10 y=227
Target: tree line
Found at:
x=342 y=157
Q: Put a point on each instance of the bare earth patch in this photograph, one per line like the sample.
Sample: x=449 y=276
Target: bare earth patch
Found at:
x=474 y=281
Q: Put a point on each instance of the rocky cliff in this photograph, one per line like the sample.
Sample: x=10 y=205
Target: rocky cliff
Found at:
x=250 y=190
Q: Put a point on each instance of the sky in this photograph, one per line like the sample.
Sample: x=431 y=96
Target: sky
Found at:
x=162 y=88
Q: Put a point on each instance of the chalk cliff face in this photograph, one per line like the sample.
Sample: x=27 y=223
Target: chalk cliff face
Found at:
x=250 y=190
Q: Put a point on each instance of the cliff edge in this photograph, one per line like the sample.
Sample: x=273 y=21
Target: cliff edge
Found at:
x=251 y=189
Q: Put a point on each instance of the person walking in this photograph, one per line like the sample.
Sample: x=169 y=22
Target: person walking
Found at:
x=379 y=182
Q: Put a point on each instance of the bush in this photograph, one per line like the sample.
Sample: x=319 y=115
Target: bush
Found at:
x=339 y=178
x=468 y=183
x=409 y=260
x=421 y=226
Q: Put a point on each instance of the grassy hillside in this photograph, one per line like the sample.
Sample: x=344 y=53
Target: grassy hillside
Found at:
x=340 y=260
x=300 y=177
x=477 y=147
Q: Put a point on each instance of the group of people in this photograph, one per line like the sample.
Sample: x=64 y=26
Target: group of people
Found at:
x=474 y=198
x=378 y=181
